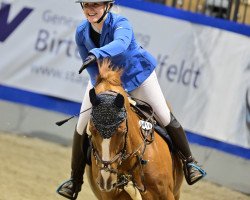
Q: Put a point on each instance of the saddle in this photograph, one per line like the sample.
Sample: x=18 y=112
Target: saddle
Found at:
x=146 y=112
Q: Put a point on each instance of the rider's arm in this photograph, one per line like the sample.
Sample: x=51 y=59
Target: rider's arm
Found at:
x=81 y=47
x=122 y=38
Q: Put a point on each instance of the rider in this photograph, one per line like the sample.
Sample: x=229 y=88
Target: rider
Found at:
x=107 y=35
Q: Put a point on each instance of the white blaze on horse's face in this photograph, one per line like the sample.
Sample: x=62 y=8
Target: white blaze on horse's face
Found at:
x=107 y=179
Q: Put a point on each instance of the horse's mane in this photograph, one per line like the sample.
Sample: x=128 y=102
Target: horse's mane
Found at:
x=109 y=73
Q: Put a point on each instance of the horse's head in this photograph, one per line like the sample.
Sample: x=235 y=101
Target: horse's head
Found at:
x=108 y=126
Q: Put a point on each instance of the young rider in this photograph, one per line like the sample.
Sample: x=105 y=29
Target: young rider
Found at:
x=107 y=35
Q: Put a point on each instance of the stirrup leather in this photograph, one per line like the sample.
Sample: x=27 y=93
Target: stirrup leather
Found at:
x=193 y=172
x=68 y=192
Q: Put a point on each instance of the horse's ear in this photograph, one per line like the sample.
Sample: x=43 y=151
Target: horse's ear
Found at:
x=119 y=101
x=95 y=101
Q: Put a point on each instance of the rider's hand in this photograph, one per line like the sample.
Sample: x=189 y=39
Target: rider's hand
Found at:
x=89 y=60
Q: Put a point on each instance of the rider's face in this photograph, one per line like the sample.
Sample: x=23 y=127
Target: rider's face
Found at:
x=93 y=11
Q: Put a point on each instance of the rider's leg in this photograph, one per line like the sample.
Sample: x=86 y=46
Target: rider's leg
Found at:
x=150 y=92
x=72 y=187
x=192 y=171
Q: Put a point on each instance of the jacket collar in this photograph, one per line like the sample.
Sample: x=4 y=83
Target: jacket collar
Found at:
x=105 y=30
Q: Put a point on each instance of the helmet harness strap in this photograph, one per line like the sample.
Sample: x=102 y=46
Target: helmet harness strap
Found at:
x=81 y=5
x=105 y=11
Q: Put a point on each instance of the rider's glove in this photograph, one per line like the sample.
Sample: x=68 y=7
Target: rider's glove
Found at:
x=89 y=60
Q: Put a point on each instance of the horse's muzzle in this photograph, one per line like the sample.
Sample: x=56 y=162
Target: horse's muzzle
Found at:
x=106 y=181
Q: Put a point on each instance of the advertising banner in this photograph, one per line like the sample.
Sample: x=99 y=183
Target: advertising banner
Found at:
x=38 y=50
x=204 y=71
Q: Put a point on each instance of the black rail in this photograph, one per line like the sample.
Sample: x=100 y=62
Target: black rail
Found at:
x=234 y=10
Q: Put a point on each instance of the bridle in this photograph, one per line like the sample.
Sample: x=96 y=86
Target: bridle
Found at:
x=122 y=155
x=123 y=178
x=119 y=157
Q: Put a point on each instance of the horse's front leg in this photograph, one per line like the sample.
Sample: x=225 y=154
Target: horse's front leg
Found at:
x=116 y=194
x=158 y=192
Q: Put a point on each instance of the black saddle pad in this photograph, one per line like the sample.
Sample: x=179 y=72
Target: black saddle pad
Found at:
x=163 y=133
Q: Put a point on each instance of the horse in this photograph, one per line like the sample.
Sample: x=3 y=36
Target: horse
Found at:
x=126 y=164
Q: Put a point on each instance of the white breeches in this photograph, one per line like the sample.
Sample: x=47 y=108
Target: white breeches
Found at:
x=84 y=117
x=149 y=91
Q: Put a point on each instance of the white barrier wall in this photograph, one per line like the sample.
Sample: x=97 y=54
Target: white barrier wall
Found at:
x=204 y=71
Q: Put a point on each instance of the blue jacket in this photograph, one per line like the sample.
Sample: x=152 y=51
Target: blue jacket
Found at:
x=117 y=42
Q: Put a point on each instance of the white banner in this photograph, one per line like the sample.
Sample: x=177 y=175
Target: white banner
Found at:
x=40 y=53
x=204 y=71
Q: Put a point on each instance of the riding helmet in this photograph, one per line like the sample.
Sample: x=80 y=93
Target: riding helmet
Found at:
x=94 y=1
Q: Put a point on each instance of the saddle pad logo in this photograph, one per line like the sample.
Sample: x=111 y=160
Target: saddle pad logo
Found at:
x=145 y=125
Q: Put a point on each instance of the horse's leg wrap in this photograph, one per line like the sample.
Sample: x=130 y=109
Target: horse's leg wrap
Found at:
x=72 y=187
x=192 y=171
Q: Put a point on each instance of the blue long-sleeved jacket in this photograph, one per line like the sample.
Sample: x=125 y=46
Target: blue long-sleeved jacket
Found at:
x=117 y=42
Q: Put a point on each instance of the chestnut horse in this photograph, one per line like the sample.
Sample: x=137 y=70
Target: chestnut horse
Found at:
x=125 y=164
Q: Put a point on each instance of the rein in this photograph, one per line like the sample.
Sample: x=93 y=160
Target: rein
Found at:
x=125 y=178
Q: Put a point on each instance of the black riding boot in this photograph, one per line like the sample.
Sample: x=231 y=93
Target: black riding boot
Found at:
x=192 y=171
x=72 y=187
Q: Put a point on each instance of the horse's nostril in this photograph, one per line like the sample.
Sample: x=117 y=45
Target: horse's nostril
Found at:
x=100 y=183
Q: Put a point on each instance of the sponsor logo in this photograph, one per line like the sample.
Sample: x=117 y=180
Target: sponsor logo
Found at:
x=248 y=109
x=8 y=27
x=185 y=73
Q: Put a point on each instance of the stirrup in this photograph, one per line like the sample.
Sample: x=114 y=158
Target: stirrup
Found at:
x=193 y=172
x=68 y=193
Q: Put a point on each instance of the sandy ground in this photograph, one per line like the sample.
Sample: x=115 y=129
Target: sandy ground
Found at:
x=31 y=169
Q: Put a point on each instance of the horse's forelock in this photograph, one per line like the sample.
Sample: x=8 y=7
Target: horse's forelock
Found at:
x=109 y=73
